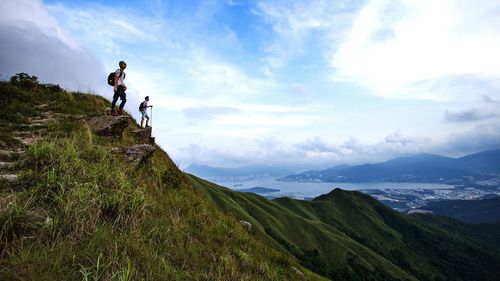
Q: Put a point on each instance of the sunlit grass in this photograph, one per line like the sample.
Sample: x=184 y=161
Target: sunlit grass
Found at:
x=85 y=214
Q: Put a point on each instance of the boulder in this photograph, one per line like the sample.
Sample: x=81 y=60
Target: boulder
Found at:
x=108 y=125
x=247 y=225
x=143 y=135
x=136 y=154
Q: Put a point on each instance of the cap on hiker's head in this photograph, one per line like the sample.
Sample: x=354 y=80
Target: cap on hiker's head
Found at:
x=122 y=62
x=146 y=98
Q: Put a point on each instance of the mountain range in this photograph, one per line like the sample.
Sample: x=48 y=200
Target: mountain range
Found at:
x=418 y=168
x=347 y=235
x=74 y=208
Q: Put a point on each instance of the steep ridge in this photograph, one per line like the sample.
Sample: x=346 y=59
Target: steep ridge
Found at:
x=350 y=236
x=79 y=211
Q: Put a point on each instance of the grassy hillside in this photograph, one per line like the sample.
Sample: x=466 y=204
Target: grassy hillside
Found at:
x=76 y=211
x=350 y=236
x=79 y=212
x=468 y=211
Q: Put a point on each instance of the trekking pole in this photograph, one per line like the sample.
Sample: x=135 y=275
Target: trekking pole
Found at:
x=151 y=117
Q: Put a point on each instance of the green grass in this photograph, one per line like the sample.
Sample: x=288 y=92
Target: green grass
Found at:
x=350 y=236
x=86 y=215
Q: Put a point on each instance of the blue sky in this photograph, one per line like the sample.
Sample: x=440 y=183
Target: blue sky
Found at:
x=304 y=84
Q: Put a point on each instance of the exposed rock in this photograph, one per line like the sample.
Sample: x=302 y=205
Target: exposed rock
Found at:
x=41 y=120
x=6 y=165
x=42 y=106
x=51 y=114
x=23 y=134
x=108 y=125
x=28 y=139
x=136 y=154
x=117 y=149
x=48 y=221
x=2 y=144
x=38 y=126
x=143 y=135
x=247 y=225
x=9 y=178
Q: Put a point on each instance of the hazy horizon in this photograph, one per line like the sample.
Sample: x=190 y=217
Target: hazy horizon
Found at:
x=303 y=167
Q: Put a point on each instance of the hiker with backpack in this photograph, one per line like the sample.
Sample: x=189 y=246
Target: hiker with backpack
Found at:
x=119 y=88
x=143 y=109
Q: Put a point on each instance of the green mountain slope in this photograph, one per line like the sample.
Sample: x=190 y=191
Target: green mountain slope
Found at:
x=76 y=211
x=468 y=211
x=70 y=209
x=350 y=236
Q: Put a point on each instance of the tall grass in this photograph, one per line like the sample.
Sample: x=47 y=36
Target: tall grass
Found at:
x=86 y=215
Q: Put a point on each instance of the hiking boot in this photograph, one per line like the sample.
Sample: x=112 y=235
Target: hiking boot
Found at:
x=113 y=113
x=120 y=112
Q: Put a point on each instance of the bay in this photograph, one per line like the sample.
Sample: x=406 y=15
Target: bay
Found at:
x=309 y=190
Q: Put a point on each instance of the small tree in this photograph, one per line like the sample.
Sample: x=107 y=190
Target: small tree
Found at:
x=24 y=80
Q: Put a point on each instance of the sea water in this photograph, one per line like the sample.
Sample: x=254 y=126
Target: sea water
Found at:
x=309 y=190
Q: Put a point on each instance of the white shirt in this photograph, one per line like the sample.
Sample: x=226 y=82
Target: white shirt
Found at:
x=120 y=79
x=144 y=105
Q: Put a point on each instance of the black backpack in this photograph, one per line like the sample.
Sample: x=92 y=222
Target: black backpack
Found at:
x=111 y=78
x=141 y=106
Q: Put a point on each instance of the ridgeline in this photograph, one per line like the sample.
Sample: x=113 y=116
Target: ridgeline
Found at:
x=71 y=209
x=87 y=196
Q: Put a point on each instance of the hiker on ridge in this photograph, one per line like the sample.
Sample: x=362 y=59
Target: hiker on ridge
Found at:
x=143 y=109
x=119 y=89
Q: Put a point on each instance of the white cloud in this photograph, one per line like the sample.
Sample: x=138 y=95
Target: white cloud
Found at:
x=106 y=28
x=293 y=21
x=480 y=138
x=216 y=78
x=34 y=42
x=206 y=92
x=393 y=44
x=23 y=13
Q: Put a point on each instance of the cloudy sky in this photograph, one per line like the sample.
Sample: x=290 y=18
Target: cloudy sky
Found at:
x=307 y=84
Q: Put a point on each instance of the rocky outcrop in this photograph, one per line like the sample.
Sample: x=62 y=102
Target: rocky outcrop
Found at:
x=136 y=154
x=10 y=179
x=247 y=225
x=108 y=125
x=143 y=135
x=7 y=175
